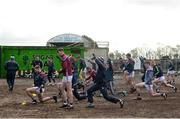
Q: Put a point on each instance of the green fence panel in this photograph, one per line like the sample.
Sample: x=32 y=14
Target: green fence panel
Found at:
x=25 y=55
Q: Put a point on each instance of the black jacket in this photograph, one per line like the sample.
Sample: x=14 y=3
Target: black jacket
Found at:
x=157 y=71
x=109 y=72
x=11 y=66
x=101 y=77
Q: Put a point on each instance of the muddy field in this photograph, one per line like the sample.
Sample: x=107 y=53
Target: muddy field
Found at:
x=10 y=104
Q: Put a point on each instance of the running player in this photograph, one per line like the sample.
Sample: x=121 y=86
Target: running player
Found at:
x=39 y=87
x=148 y=83
x=129 y=72
x=171 y=73
x=142 y=59
x=159 y=78
x=100 y=84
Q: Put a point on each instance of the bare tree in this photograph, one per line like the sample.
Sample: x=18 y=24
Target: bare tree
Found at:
x=117 y=54
x=134 y=53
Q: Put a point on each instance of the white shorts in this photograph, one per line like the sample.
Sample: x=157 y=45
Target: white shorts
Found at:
x=67 y=79
x=39 y=90
x=148 y=87
x=162 y=79
x=131 y=75
x=171 y=72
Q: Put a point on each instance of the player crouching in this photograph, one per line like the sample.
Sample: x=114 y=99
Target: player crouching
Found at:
x=39 y=87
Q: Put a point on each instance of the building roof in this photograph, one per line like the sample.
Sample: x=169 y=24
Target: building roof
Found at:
x=76 y=40
x=66 y=38
x=71 y=40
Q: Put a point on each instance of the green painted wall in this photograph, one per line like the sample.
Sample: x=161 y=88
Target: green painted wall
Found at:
x=25 y=55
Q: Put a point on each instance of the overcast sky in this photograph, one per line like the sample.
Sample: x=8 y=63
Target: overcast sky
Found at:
x=126 y=24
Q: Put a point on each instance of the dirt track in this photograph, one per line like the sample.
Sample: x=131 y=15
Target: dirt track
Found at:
x=10 y=104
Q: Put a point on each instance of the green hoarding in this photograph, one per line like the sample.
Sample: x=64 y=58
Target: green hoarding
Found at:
x=25 y=55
